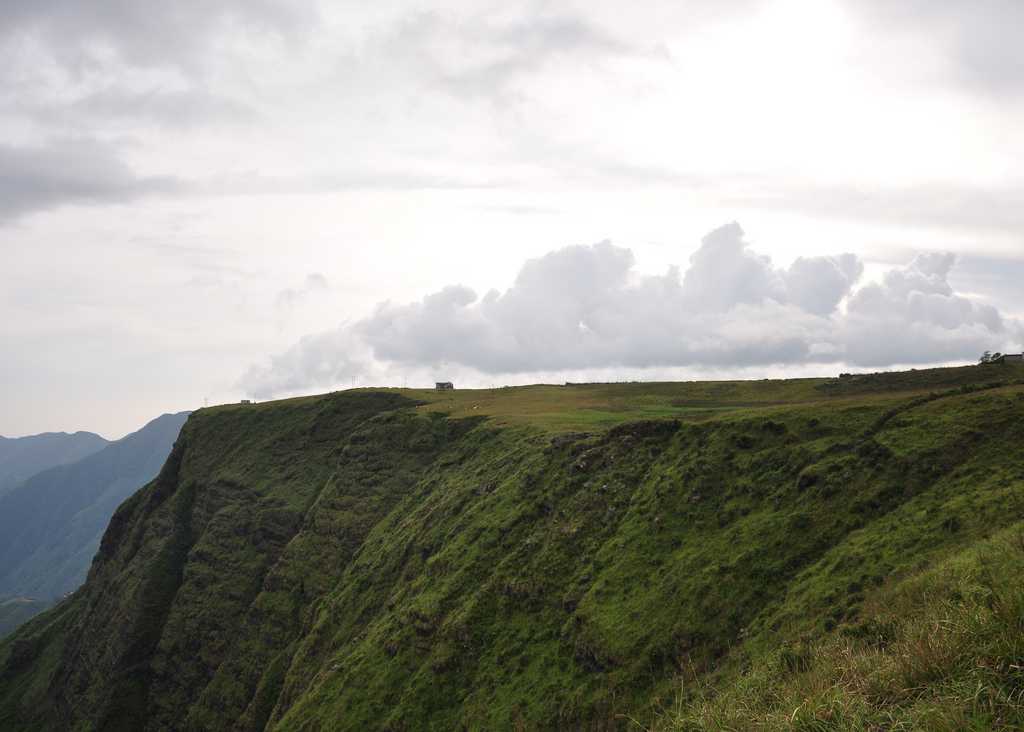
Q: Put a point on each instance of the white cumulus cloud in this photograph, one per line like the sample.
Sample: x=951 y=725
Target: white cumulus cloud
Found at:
x=587 y=307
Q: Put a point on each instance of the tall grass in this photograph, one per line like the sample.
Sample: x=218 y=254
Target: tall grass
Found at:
x=941 y=650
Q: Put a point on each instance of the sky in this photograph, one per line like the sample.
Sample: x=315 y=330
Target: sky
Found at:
x=208 y=201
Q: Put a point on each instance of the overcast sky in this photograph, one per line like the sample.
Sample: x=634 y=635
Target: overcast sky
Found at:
x=235 y=198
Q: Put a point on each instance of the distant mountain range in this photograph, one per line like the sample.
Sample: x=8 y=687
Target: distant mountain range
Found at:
x=23 y=457
x=51 y=523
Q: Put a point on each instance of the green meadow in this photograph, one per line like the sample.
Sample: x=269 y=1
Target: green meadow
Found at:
x=821 y=554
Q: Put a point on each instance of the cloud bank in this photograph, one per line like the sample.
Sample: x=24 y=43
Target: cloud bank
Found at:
x=982 y=38
x=586 y=307
x=70 y=171
x=180 y=34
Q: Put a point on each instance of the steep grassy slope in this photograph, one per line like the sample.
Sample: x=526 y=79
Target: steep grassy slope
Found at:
x=50 y=526
x=941 y=649
x=23 y=457
x=355 y=561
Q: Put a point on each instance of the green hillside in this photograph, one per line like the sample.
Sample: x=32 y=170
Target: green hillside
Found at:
x=730 y=555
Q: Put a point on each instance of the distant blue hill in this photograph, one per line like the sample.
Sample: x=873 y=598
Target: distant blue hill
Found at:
x=51 y=524
x=23 y=457
x=17 y=610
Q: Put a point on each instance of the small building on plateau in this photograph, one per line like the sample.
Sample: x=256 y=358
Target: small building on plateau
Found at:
x=1009 y=358
x=444 y=386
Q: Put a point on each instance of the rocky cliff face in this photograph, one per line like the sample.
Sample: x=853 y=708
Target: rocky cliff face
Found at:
x=349 y=562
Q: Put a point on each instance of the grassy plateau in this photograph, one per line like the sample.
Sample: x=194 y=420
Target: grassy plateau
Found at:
x=820 y=554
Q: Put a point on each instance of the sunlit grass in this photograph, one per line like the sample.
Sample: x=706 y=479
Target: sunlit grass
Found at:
x=595 y=406
x=940 y=650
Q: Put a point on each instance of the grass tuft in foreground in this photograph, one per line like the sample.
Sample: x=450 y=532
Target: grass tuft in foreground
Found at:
x=940 y=650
